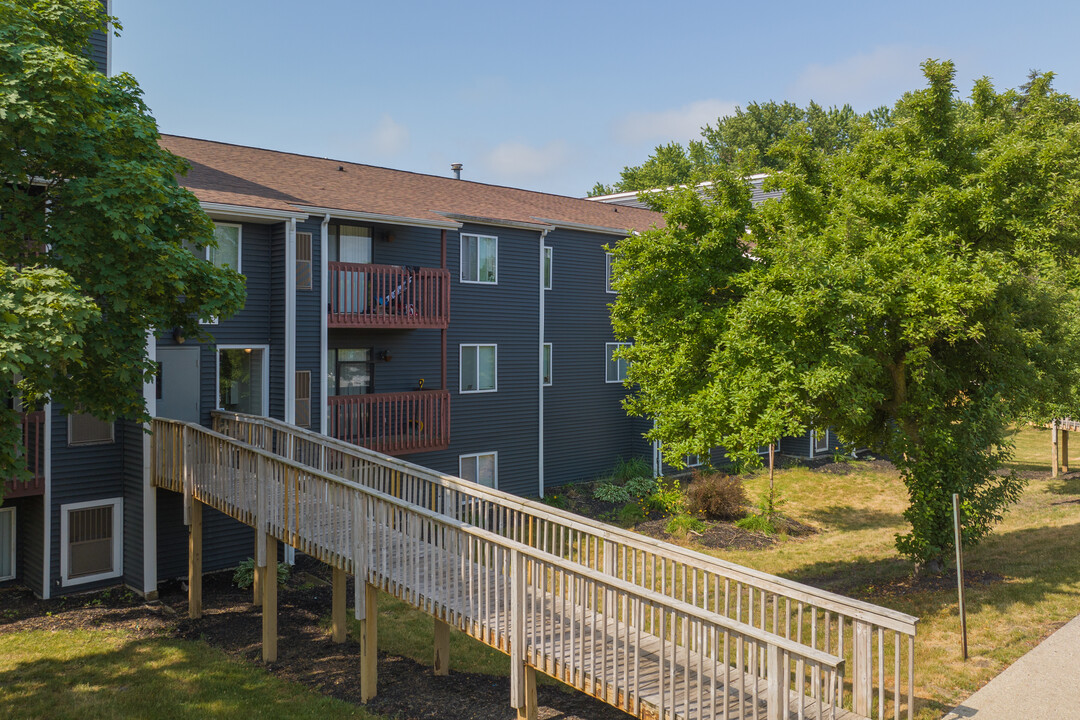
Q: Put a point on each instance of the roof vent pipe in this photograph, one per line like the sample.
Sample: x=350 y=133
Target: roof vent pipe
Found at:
x=456 y=167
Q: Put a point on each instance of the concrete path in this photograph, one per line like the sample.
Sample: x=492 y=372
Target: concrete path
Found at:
x=1042 y=685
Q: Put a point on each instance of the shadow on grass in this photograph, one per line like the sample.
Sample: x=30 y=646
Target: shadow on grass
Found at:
x=83 y=675
x=846 y=517
x=1065 y=484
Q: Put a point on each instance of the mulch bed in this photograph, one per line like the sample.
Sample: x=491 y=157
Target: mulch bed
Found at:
x=407 y=690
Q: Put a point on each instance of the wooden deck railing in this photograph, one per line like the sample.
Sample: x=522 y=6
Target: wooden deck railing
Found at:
x=392 y=423
x=33 y=449
x=870 y=638
x=639 y=649
x=388 y=296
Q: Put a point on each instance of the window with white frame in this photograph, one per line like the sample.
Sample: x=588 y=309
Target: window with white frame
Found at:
x=91 y=540
x=616 y=367
x=85 y=429
x=478 y=368
x=479 y=259
x=303 y=261
x=693 y=461
x=227 y=252
x=546 y=369
x=821 y=440
x=607 y=272
x=482 y=468
x=243 y=382
x=7 y=543
x=547 y=267
x=303 y=398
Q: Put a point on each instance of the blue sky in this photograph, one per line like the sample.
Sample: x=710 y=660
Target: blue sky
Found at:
x=550 y=96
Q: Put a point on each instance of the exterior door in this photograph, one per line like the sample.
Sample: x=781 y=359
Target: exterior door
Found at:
x=178 y=383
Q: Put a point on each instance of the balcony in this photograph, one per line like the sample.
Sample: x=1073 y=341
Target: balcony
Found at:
x=388 y=296
x=33 y=447
x=392 y=423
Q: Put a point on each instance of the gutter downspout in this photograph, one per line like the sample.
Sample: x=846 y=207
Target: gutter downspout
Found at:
x=149 y=492
x=46 y=570
x=540 y=375
x=290 y=341
x=324 y=299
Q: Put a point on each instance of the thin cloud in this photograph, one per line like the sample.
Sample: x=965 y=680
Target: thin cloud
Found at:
x=865 y=80
x=679 y=124
x=389 y=137
x=516 y=161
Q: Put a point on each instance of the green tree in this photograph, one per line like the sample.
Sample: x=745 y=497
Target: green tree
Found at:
x=917 y=292
x=94 y=228
x=741 y=142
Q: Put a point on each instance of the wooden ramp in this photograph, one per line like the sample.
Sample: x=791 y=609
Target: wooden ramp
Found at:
x=654 y=629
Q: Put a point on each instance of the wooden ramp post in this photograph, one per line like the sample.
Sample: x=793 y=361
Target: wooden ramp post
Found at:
x=531 y=709
x=195 y=556
x=1064 y=443
x=258 y=577
x=269 y=607
x=442 y=648
x=337 y=612
x=369 y=643
x=1053 y=449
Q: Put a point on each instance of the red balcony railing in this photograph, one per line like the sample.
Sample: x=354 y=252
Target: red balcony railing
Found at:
x=388 y=296
x=393 y=423
x=33 y=448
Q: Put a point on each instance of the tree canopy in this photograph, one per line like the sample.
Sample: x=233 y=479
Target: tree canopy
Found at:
x=94 y=228
x=917 y=292
x=742 y=143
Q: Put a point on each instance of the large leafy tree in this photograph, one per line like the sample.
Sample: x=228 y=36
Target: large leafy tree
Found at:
x=742 y=143
x=93 y=226
x=917 y=292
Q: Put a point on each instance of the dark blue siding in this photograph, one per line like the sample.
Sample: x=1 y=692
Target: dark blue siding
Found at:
x=29 y=541
x=309 y=319
x=133 y=502
x=277 y=322
x=99 y=47
x=586 y=429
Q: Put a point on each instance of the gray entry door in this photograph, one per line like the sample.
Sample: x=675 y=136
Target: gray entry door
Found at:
x=178 y=383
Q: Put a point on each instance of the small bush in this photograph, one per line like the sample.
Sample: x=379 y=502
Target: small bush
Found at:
x=757 y=523
x=629 y=469
x=610 y=492
x=641 y=487
x=244 y=577
x=716 y=496
x=667 y=499
x=555 y=500
x=683 y=525
x=630 y=514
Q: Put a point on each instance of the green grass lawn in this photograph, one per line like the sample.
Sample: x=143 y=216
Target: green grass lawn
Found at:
x=86 y=675
x=1035 y=550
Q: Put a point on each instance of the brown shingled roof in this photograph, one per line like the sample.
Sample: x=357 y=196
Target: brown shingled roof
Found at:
x=252 y=177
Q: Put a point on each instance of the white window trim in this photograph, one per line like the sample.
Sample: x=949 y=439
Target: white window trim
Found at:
x=549 y=263
x=14 y=535
x=607 y=273
x=492 y=453
x=212 y=320
x=551 y=365
x=608 y=352
x=823 y=436
x=90 y=443
x=699 y=463
x=461 y=367
x=239 y=248
x=265 y=371
x=461 y=251
x=118 y=540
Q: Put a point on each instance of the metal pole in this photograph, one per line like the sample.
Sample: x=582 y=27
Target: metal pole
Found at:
x=960 y=573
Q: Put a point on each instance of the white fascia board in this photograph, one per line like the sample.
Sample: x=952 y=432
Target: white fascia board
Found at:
x=621 y=232
x=225 y=211
x=497 y=222
x=379 y=218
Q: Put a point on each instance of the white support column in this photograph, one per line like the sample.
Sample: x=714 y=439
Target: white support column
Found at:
x=324 y=299
x=540 y=373
x=149 y=493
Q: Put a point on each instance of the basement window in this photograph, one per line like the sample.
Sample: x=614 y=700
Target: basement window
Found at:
x=91 y=540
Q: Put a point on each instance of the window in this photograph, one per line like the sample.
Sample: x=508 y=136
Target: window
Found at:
x=303 y=398
x=693 y=461
x=479 y=258
x=616 y=367
x=482 y=468
x=91 y=540
x=478 y=368
x=227 y=253
x=303 y=261
x=351 y=372
x=85 y=429
x=607 y=272
x=821 y=441
x=547 y=267
x=242 y=380
x=350 y=244
x=547 y=364
x=7 y=543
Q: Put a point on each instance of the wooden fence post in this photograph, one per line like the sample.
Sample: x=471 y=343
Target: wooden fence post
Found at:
x=1064 y=444
x=442 y=648
x=259 y=579
x=337 y=611
x=369 y=644
x=195 y=557
x=775 y=698
x=269 y=611
x=1053 y=449
x=862 y=671
x=517 y=631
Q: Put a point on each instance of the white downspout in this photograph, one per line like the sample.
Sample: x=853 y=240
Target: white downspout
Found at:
x=324 y=298
x=46 y=501
x=540 y=375
x=290 y=342
x=149 y=493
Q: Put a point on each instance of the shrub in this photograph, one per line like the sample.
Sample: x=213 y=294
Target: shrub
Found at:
x=666 y=499
x=630 y=514
x=641 y=487
x=716 y=496
x=629 y=469
x=555 y=500
x=244 y=577
x=610 y=492
x=682 y=525
x=758 y=523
